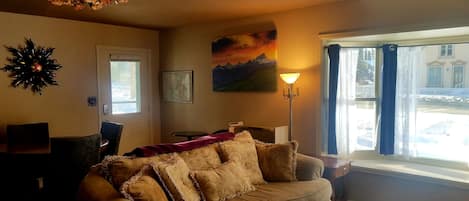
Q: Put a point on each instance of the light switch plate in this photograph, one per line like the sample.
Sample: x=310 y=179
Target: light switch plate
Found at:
x=91 y=101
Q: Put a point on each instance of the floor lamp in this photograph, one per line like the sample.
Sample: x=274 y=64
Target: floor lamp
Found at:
x=290 y=79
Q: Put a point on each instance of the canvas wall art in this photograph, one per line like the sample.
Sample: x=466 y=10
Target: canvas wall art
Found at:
x=177 y=86
x=245 y=62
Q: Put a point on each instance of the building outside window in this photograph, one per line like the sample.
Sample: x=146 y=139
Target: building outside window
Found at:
x=446 y=50
x=434 y=76
x=367 y=54
x=458 y=76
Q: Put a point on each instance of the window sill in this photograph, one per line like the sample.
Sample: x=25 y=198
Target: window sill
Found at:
x=414 y=172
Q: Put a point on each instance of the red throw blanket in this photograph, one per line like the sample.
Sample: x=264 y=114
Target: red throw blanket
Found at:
x=152 y=150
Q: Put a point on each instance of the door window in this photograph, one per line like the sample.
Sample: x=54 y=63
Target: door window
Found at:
x=125 y=86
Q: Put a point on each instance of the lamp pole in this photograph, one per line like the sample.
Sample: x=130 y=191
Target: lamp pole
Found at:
x=290 y=79
x=290 y=102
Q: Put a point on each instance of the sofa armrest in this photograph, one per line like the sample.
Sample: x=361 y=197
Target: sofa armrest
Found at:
x=95 y=188
x=308 y=168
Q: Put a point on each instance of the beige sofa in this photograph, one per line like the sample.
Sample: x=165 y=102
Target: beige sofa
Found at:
x=309 y=187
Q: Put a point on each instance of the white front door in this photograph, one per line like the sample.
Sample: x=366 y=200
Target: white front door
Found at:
x=124 y=93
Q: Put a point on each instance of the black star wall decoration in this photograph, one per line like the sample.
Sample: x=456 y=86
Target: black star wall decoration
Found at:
x=31 y=66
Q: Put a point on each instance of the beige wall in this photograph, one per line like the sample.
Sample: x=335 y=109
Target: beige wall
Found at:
x=299 y=49
x=65 y=106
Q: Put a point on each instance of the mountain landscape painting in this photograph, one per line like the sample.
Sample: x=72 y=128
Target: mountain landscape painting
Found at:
x=245 y=62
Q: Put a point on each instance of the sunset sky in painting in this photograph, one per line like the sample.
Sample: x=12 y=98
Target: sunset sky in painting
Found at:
x=242 y=48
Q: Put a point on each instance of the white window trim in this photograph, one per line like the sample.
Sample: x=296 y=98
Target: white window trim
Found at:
x=354 y=39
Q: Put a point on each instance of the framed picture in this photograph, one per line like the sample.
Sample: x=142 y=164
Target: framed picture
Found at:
x=177 y=86
x=245 y=62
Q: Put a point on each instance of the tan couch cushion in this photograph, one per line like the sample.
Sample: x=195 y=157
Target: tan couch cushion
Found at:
x=277 y=161
x=175 y=175
x=243 y=136
x=314 y=190
x=227 y=181
x=118 y=169
x=243 y=150
x=144 y=186
x=95 y=188
x=202 y=158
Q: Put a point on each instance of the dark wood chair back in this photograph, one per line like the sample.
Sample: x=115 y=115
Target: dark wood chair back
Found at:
x=71 y=159
x=36 y=134
x=259 y=133
x=111 y=131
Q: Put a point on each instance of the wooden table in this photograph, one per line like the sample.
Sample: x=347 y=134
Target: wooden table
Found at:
x=335 y=171
x=24 y=168
x=190 y=135
x=25 y=149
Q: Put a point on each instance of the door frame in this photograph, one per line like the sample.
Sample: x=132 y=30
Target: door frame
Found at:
x=106 y=50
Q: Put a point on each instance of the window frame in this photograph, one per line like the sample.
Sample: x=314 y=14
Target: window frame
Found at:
x=374 y=42
x=445 y=50
x=453 y=74
x=378 y=61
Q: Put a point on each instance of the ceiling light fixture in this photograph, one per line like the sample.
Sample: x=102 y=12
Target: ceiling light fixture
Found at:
x=81 y=4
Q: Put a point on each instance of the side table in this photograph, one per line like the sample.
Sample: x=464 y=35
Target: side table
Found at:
x=190 y=135
x=335 y=171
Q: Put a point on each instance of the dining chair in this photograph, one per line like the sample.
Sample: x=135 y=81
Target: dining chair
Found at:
x=111 y=131
x=70 y=160
x=263 y=134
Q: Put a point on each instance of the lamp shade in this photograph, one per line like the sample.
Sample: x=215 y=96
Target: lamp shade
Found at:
x=289 y=78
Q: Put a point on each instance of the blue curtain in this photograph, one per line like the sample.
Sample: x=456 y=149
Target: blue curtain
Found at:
x=388 y=100
x=333 y=51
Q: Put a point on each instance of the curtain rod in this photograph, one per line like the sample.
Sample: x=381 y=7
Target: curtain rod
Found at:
x=381 y=46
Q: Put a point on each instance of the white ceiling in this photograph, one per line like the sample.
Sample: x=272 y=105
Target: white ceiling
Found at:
x=157 y=14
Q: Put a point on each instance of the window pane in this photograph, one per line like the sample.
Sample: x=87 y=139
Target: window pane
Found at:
x=363 y=135
x=443 y=50
x=442 y=132
x=365 y=86
x=125 y=86
x=123 y=108
x=449 y=50
x=434 y=76
x=458 y=76
x=442 y=109
x=355 y=106
x=364 y=120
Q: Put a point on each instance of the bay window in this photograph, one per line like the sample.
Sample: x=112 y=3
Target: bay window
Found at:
x=431 y=119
